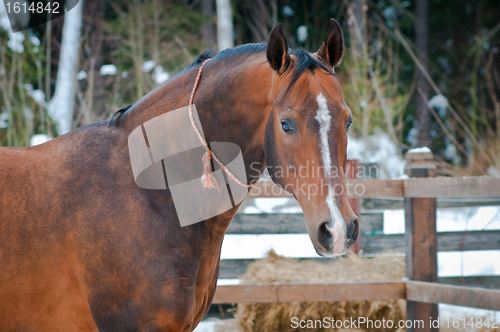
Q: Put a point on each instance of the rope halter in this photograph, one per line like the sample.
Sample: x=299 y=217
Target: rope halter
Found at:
x=208 y=179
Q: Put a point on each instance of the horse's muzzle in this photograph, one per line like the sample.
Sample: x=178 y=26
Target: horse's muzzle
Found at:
x=334 y=240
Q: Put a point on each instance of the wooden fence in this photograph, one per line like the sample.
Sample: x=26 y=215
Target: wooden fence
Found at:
x=420 y=243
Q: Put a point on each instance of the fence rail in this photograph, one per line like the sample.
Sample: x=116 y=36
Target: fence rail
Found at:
x=420 y=291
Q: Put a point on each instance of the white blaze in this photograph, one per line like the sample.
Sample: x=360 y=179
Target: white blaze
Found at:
x=325 y=120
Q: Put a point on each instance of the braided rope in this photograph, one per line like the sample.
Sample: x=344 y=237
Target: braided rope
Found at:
x=207 y=179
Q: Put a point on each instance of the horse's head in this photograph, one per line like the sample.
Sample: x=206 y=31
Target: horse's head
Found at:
x=306 y=138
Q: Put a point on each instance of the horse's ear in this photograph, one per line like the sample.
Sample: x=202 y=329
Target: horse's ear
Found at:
x=332 y=48
x=277 y=50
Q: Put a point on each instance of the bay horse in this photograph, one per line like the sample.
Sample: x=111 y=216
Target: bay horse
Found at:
x=83 y=248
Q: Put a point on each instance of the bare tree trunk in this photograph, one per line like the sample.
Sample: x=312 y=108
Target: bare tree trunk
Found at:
x=207 y=30
x=224 y=25
x=96 y=101
x=359 y=10
x=62 y=105
x=357 y=28
x=357 y=35
x=421 y=36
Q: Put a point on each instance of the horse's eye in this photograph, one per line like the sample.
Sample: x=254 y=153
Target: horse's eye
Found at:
x=288 y=126
x=349 y=124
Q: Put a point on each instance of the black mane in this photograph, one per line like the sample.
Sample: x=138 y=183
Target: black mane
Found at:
x=303 y=61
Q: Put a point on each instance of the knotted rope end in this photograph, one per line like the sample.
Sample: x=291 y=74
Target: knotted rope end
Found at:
x=208 y=179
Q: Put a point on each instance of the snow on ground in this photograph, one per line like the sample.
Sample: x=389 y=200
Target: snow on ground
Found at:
x=273 y=205
x=256 y=246
x=378 y=148
x=449 y=219
x=206 y=326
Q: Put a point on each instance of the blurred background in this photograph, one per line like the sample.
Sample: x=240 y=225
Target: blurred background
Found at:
x=415 y=73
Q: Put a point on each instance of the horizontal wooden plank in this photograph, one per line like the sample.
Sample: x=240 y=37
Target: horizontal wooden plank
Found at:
x=492 y=282
x=442 y=202
x=376 y=244
x=288 y=223
x=473 y=186
x=265 y=293
x=370 y=188
x=447 y=241
x=233 y=268
x=417 y=291
x=420 y=291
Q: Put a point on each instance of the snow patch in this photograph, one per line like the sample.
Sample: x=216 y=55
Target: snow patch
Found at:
x=148 y=65
x=16 y=42
x=302 y=33
x=272 y=205
x=39 y=139
x=257 y=246
x=420 y=150
x=34 y=40
x=4 y=116
x=108 y=70
x=38 y=96
x=449 y=219
x=160 y=75
x=205 y=326
x=440 y=103
x=82 y=74
x=233 y=281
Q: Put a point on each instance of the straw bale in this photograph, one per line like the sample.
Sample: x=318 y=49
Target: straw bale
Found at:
x=276 y=317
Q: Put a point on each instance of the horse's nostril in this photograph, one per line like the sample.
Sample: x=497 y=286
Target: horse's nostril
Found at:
x=325 y=238
x=353 y=231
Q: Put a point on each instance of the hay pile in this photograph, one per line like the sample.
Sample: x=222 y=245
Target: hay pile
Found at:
x=276 y=317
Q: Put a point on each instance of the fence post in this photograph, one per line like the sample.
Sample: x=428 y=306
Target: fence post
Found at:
x=421 y=239
x=352 y=168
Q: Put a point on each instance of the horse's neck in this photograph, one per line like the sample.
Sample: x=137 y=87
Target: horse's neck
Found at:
x=233 y=103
